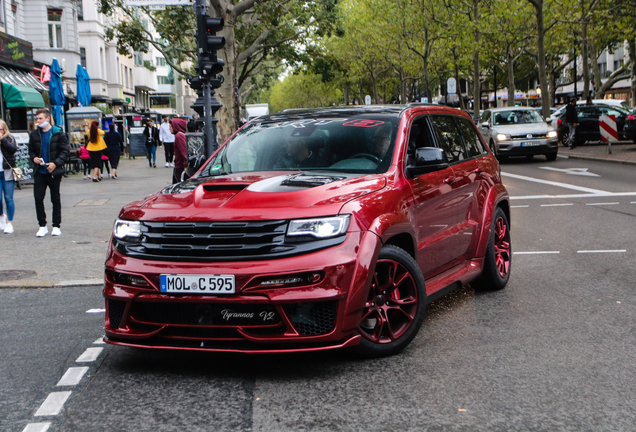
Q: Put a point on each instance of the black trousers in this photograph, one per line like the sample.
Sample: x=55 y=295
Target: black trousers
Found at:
x=176 y=175
x=40 y=183
x=168 y=149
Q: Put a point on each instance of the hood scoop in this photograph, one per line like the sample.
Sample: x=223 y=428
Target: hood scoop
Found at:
x=224 y=187
x=304 y=180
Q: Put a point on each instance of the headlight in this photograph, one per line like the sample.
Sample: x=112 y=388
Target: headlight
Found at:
x=552 y=134
x=321 y=228
x=125 y=228
x=503 y=137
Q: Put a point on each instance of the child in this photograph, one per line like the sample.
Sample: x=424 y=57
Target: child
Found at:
x=104 y=163
x=86 y=161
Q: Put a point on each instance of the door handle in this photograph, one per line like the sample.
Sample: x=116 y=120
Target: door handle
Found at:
x=449 y=180
x=478 y=170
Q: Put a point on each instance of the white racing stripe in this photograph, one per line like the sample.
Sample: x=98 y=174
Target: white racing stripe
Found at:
x=36 y=427
x=89 y=355
x=602 y=251
x=536 y=253
x=72 y=376
x=53 y=404
x=553 y=183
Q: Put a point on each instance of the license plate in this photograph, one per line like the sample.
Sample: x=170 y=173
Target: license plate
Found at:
x=530 y=143
x=198 y=284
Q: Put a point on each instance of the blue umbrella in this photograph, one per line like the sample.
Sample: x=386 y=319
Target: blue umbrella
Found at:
x=57 y=93
x=81 y=88
x=87 y=87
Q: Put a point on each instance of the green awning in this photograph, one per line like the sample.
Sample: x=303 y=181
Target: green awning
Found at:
x=17 y=96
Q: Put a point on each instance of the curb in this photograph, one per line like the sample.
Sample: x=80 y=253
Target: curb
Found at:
x=599 y=159
x=33 y=284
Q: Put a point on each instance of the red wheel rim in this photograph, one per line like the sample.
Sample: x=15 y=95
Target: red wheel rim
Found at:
x=392 y=303
x=502 y=247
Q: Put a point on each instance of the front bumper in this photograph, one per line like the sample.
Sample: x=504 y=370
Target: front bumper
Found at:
x=301 y=316
x=519 y=147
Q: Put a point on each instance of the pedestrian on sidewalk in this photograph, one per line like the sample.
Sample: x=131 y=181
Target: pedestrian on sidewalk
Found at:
x=7 y=161
x=152 y=141
x=192 y=124
x=178 y=127
x=167 y=138
x=96 y=146
x=86 y=161
x=114 y=146
x=49 y=151
x=572 y=120
x=104 y=164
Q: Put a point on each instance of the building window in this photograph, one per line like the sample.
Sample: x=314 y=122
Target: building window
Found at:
x=55 y=28
x=14 y=17
x=80 y=11
x=83 y=57
x=139 y=59
x=618 y=64
x=163 y=101
x=126 y=75
x=161 y=61
x=163 y=80
x=131 y=78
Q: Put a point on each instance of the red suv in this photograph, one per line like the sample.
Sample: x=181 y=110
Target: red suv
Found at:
x=311 y=230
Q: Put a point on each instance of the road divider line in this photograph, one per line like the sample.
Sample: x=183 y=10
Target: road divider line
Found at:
x=575 y=196
x=536 y=253
x=521 y=206
x=72 y=376
x=557 y=205
x=553 y=183
x=37 y=427
x=53 y=404
x=90 y=355
x=595 y=204
x=602 y=251
x=99 y=341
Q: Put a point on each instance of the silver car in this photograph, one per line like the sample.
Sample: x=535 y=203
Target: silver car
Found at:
x=518 y=131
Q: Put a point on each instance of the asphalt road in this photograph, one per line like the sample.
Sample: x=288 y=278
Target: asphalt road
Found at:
x=554 y=351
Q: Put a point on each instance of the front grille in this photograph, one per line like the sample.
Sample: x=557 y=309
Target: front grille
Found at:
x=312 y=319
x=217 y=241
x=116 y=310
x=525 y=136
x=214 y=314
x=201 y=333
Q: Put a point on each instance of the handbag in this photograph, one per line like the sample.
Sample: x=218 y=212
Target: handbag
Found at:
x=17 y=173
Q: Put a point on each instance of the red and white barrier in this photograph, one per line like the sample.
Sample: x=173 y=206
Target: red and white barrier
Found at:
x=609 y=133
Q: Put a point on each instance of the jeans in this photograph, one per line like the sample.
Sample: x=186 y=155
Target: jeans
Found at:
x=168 y=148
x=151 y=154
x=572 y=129
x=40 y=183
x=7 y=189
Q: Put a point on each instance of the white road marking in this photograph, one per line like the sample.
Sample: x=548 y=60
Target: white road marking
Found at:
x=536 y=253
x=53 y=404
x=556 y=205
x=72 y=376
x=521 y=206
x=572 y=171
x=602 y=251
x=596 y=195
x=99 y=341
x=101 y=310
x=594 y=204
x=89 y=355
x=36 y=427
x=553 y=183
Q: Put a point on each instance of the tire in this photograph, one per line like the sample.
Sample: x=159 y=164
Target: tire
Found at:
x=551 y=156
x=393 y=312
x=564 y=137
x=496 y=271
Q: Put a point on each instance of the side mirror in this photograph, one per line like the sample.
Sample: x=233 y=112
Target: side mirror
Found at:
x=485 y=125
x=426 y=159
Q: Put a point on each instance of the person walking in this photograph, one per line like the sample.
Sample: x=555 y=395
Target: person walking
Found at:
x=167 y=138
x=178 y=127
x=7 y=161
x=572 y=120
x=104 y=165
x=49 y=151
x=114 y=146
x=192 y=124
x=95 y=147
x=152 y=141
x=86 y=161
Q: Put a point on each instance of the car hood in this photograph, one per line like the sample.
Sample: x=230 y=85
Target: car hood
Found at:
x=255 y=196
x=526 y=128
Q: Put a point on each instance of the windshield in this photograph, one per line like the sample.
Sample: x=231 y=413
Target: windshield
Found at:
x=361 y=144
x=513 y=117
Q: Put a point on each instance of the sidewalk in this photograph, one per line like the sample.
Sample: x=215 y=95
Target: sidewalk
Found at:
x=623 y=152
x=76 y=258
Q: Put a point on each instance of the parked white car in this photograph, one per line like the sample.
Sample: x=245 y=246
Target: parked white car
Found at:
x=518 y=131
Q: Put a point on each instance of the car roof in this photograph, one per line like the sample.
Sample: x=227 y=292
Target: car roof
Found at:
x=394 y=110
x=523 y=108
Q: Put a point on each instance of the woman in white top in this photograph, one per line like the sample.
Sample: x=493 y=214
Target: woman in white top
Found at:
x=7 y=161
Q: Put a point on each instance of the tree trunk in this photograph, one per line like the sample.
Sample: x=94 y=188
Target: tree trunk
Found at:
x=459 y=87
x=632 y=67
x=511 y=79
x=543 y=79
x=596 y=71
x=584 y=42
x=476 y=86
x=227 y=94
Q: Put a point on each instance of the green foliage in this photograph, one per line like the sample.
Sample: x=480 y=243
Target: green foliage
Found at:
x=303 y=91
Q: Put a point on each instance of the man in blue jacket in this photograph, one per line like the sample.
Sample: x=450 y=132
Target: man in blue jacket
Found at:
x=49 y=151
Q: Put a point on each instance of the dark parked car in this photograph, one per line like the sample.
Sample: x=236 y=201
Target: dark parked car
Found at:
x=629 y=130
x=312 y=230
x=588 y=128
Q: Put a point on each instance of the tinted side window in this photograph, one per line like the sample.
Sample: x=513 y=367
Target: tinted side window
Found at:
x=588 y=111
x=448 y=138
x=474 y=146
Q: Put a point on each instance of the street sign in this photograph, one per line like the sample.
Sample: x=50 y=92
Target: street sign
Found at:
x=129 y=3
x=451 y=86
x=367 y=100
